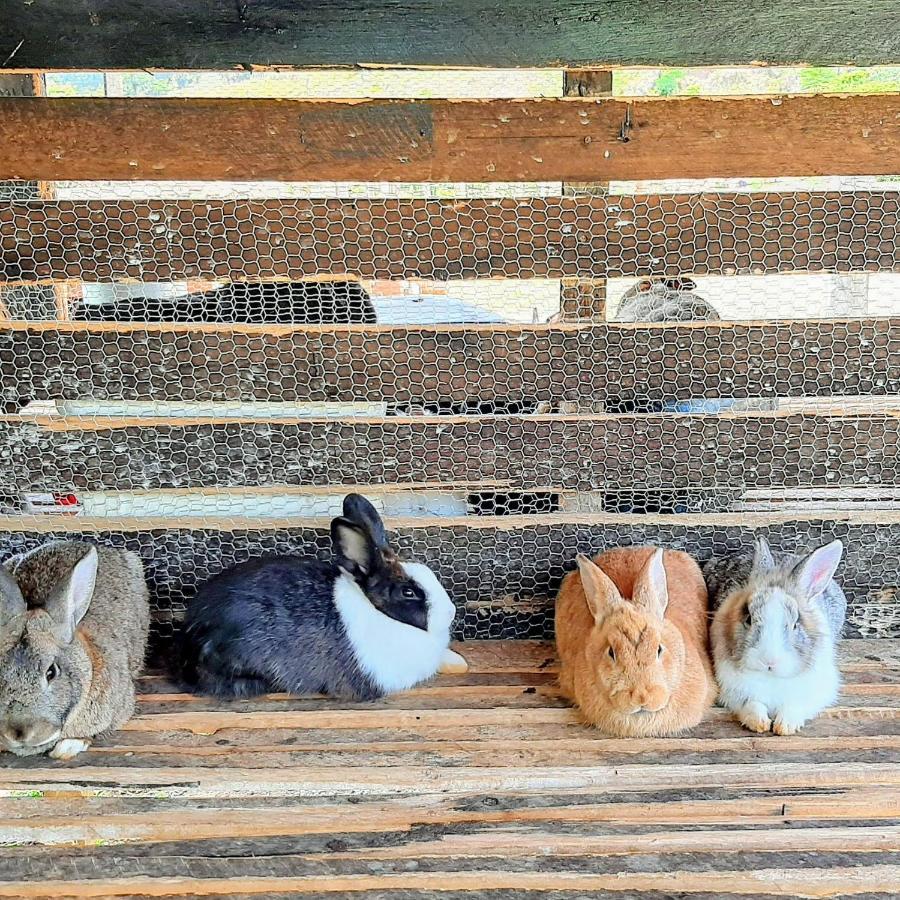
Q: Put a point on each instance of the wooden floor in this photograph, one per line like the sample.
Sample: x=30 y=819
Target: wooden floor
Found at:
x=481 y=785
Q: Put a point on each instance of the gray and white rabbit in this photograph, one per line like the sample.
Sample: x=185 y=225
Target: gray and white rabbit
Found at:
x=73 y=632
x=360 y=627
x=662 y=299
x=777 y=620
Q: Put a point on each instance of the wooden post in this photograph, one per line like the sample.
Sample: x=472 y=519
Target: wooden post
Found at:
x=585 y=298
x=23 y=298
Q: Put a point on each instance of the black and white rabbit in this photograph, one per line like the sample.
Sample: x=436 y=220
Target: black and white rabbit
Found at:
x=276 y=302
x=360 y=627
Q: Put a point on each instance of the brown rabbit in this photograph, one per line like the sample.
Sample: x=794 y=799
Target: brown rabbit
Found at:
x=638 y=666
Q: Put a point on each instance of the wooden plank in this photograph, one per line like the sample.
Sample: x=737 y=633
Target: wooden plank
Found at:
x=58 y=820
x=571 y=139
x=209 y=825
x=800 y=882
x=353 y=719
x=271 y=859
x=214 y=34
x=449 y=366
x=554 y=237
x=718 y=455
x=512 y=599
x=307 y=781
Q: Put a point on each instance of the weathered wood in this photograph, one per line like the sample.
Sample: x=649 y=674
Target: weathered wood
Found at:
x=777 y=882
x=570 y=236
x=259 y=798
x=503 y=573
x=216 y=34
x=433 y=140
x=451 y=365
x=707 y=453
x=198 y=782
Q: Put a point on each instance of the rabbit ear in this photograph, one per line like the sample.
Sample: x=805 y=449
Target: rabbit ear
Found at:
x=12 y=609
x=601 y=594
x=813 y=573
x=71 y=597
x=359 y=510
x=354 y=546
x=651 y=590
x=763 y=561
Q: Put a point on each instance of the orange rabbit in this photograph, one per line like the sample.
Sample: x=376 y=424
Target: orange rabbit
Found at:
x=638 y=666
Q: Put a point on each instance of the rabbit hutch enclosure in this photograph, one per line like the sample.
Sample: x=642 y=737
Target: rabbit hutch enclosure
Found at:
x=538 y=279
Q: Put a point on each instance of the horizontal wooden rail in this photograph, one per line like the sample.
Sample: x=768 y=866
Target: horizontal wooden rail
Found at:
x=216 y=34
x=501 y=572
x=571 y=139
x=451 y=365
x=159 y=240
x=708 y=453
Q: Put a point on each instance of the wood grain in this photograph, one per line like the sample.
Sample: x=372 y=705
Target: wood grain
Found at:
x=446 y=366
x=555 y=237
x=571 y=139
x=216 y=34
x=724 y=454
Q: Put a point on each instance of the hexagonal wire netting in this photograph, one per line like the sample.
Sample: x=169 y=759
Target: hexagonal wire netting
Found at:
x=567 y=368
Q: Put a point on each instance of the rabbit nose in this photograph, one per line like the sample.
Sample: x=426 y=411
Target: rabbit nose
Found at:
x=17 y=732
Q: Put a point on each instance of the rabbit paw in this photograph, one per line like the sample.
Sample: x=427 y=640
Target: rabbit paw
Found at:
x=453 y=664
x=785 y=725
x=755 y=716
x=69 y=748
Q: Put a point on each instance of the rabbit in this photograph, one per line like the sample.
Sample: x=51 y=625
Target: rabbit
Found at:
x=664 y=300
x=280 y=302
x=74 y=620
x=777 y=619
x=631 y=631
x=358 y=628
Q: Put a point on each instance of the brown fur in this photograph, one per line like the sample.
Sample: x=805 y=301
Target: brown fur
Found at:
x=94 y=690
x=675 y=688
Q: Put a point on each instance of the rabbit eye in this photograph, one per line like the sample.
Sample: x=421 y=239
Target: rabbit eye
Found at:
x=409 y=593
x=659 y=651
x=52 y=672
x=612 y=654
x=747 y=618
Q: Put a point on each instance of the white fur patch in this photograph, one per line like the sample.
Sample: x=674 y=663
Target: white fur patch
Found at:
x=395 y=655
x=797 y=698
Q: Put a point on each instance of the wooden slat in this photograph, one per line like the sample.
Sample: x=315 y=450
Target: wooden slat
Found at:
x=803 y=882
x=525 y=238
x=701 y=452
x=512 y=598
x=570 y=139
x=215 y=34
x=451 y=364
x=201 y=782
x=209 y=824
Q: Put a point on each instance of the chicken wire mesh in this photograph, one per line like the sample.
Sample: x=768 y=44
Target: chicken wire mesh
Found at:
x=514 y=373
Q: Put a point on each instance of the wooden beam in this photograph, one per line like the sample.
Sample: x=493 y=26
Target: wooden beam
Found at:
x=502 y=573
x=584 y=298
x=217 y=34
x=572 y=237
x=570 y=139
x=717 y=457
x=450 y=366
